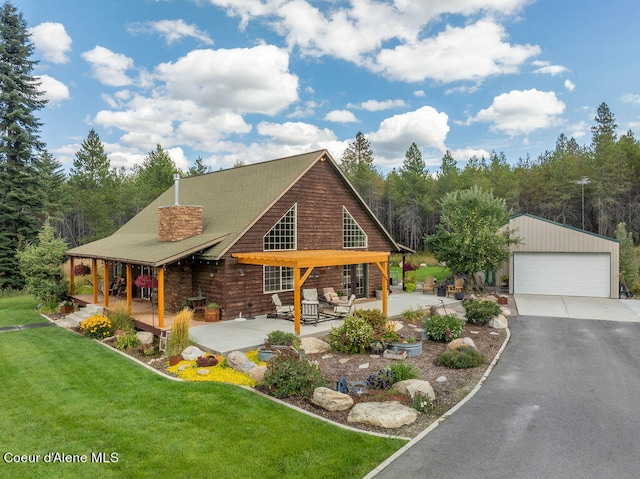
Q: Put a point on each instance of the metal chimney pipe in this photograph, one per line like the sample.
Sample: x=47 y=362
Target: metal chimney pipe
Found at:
x=176 y=180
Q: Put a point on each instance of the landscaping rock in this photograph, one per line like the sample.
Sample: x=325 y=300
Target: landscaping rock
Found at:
x=203 y=372
x=257 y=373
x=460 y=342
x=498 y=322
x=315 y=345
x=389 y=414
x=238 y=361
x=145 y=337
x=506 y=312
x=331 y=400
x=441 y=379
x=67 y=323
x=412 y=386
x=192 y=352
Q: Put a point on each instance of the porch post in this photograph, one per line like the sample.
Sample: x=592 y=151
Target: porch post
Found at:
x=129 y=288
x=94 y=277
x=160 y=297
x=72 y=279
x=383 y=266
x=296 y=299
x=105 y=284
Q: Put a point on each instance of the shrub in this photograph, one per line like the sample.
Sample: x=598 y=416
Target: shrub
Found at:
x=443 y=328
x=383 y=379
x=290 y=375
x=414 y=316
x=375 y=317
x=97 y=327
x=353 y=337
x=179 y=338
x=119 y=317
x=280 y=338
x=404 y=371
x=421 y=402
x=127 y=341
x=481 y=312
x=462 y=358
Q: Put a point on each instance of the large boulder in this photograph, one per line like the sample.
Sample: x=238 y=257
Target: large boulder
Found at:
x=498 y=322
x=411 y=387
x=314 y=345
x=460 y=342
x=331 y=400
x=145 y=337
x=388 y=414
x=506 y=312
x=238 y=361
x=192 y=352
x=257 y=373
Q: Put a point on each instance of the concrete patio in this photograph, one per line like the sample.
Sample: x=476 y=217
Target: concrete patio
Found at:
x=226 y=336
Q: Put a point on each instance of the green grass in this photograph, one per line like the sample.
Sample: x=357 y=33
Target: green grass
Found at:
x=439 y=272
x=65 y=393
x=17 y=310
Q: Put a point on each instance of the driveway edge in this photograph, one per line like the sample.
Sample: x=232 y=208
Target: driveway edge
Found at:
x=444 y=417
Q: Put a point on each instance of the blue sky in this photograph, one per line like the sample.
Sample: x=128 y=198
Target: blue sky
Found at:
x=253 y=80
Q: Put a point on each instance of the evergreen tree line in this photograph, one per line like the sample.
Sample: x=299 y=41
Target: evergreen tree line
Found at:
x=407 y=199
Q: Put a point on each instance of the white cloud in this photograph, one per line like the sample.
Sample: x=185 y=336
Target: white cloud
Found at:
x=465 y=154
x=630 y=98
x=202 y=98
x=54 y=91
x=520 y=112
x=469 y=53
x=108 y=67
x=425 y=126
x=375 y=105
x=341 y=116
x=569 y=85
x=546 y=68
x=419 y=93
x=255 y=80
x=295 y=133
x=171 y=30
x=52 y=41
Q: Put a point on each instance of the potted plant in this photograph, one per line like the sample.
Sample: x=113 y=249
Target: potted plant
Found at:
x=278 y=340
x=342 y=296
x=212 y=313
x=379 y=292
x=504 y=281
x=66 y=307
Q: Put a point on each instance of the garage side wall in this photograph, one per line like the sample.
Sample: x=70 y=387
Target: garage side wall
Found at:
x=542 y=236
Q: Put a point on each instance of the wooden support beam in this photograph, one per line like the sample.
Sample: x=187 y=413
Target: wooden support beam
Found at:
x=72 y=277
x=296 y=299
x=129 y=289
x=105 y=284
x=160 y=298
x=94 y=277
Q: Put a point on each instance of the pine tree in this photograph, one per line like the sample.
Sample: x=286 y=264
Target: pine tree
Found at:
x=154 y=176
x=20 y=194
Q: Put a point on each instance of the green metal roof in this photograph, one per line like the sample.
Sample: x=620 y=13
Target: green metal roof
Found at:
x=232 y=201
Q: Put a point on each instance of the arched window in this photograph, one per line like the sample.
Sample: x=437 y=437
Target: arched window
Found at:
x=352 y=235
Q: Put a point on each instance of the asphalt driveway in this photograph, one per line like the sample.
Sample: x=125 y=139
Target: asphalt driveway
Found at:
x=562 y=402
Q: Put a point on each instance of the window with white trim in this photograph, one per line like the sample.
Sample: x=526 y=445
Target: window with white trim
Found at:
x=283 y=234
x=353 y=236
x=277 y=278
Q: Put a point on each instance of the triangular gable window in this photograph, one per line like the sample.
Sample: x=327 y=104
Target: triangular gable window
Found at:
x=352 y=235
x=283 y=234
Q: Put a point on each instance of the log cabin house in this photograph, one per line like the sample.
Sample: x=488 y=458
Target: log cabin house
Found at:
x=237 y=236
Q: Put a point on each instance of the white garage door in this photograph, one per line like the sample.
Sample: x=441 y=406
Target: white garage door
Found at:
x=569 y=274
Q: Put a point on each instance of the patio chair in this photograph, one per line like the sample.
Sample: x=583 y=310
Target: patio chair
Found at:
x=282 y=310
x=345 y=309
x=429 y=285
x=456 y=287
x=310 y=295
x=330 y=296
x=309 y=311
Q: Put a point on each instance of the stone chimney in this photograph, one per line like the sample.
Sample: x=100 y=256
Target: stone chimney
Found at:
x=179 y=222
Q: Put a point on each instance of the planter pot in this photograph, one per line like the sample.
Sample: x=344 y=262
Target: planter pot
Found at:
x=66 y=309
x=378 y=294
x=412 y=349
x=211 y=315
x=173 y=360
x=264 y=354
x=503 y=300
x=459 y=296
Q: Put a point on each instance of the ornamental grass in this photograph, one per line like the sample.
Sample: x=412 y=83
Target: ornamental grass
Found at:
x=179 y=338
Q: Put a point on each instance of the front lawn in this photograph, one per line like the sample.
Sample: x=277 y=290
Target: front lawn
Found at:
x=17 y=310
x=64 y=393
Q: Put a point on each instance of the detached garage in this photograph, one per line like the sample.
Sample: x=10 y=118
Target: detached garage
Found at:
x=556 y=259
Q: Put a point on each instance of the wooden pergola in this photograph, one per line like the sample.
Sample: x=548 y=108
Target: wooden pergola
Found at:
x=308 y=260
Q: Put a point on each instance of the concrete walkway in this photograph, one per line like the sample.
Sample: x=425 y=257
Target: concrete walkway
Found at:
x=575 y=307
x=227 y=336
